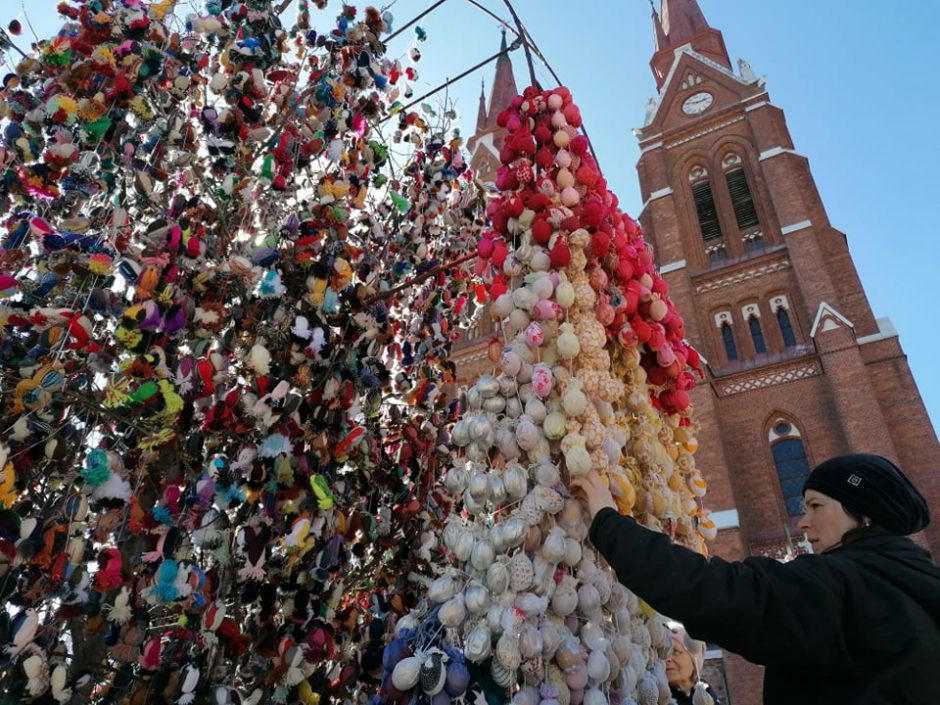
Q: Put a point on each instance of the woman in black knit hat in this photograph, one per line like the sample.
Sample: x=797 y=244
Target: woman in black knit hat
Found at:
x=858 y=623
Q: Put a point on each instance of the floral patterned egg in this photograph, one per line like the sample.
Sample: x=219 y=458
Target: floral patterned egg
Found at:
x=542 y=380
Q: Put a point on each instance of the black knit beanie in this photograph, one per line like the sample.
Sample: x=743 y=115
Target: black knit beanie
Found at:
x=873 y=487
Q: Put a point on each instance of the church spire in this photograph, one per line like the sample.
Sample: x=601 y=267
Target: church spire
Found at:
x=502 y=91
x=678 y=23
x=682 y=20
x=504 y=86
x=481 y=111
x=659 y=36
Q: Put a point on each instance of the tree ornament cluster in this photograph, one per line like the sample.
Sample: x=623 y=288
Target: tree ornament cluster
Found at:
x=229 y=296
x=592 y=374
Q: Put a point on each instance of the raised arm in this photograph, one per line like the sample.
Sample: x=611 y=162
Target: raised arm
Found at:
x=760 y=608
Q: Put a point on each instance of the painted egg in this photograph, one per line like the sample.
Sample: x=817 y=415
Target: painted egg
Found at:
x=542 y=380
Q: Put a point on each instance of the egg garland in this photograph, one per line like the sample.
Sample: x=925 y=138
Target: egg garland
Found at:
x=596 y=385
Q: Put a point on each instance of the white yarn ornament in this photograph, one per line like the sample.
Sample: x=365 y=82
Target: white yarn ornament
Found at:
x=406 y=673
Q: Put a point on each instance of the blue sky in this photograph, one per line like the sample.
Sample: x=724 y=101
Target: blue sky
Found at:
x=854 y=80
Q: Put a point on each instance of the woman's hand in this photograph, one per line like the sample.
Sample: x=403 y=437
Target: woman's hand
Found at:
x=592 y=488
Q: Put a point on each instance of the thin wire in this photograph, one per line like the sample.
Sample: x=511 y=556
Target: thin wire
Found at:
x=530 y=44
x=411 y=22
x=525 y=43
x=449 y=82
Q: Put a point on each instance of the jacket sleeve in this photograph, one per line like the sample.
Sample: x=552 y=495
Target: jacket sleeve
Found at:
x=767 y=611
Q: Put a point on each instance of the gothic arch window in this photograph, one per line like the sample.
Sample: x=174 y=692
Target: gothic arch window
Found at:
x=723 y=321
x=781 y=309
x=751 y=314
x=757 y=335
x=742 y=203
x=707 y=214
x=791 y=463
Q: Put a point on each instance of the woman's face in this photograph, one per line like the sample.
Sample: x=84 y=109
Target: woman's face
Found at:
x=825 y=521
x=680 y=668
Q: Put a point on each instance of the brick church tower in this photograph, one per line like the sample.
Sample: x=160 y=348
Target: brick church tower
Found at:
x=798 y=367
x=470 y=351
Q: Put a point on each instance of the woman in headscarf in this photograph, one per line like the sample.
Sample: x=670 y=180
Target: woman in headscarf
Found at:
x=684 y=670
x=857 y=623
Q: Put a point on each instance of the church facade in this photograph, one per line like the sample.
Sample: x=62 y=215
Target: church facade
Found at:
x=798 y=367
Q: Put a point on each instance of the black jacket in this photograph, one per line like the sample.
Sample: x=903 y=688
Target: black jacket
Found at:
x=683 y=698
x=858 y=625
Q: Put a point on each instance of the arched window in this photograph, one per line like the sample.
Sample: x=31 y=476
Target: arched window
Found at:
x=727 y=336
x=742 y=203
x=707 y=214
x=744 y=211
x=791 y=463
x=786 y=328
x=757 y=335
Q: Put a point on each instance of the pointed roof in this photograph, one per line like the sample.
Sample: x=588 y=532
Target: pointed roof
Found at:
x=504 y=86
x=659 y=34
x=682 y=20
x=683 y=23
x=481 y=110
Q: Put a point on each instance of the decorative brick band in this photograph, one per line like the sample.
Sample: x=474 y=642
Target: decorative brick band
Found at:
x=713 y=128
x=744 y=276
x=803 y=370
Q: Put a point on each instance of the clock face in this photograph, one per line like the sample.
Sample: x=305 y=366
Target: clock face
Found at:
x=697 y=103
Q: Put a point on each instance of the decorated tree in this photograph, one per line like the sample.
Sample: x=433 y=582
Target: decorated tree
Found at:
x=235 y=466
x=229 y=299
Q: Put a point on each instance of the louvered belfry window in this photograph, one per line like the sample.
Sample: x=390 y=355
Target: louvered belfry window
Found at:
x=744 y=211
x=707 y=213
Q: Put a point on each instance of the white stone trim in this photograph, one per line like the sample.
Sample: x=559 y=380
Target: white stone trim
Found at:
x=886 y=330
x=726 y=519
x=651 y=147
x=656 y=195
x=749 y=310
x=793 y=227
x=772 y=435
x=776 y=151
x=824 y=320
x=755 y=106
x=723 y=317
x=486 y=141
x=687 y=49
x=779 y=302
x=672 y=266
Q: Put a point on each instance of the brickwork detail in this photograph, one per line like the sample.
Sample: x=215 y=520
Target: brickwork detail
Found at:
x=743 y=276
x=702 y=133
x=768 y=379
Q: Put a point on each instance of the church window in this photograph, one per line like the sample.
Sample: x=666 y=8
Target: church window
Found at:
x=791 y=464
x=786 y=328
x=707 y=214
x=741 y=201
x=757 y=335
x=727 y=337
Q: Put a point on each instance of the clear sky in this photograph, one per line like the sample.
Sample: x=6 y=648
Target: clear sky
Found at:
x=855 y=79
